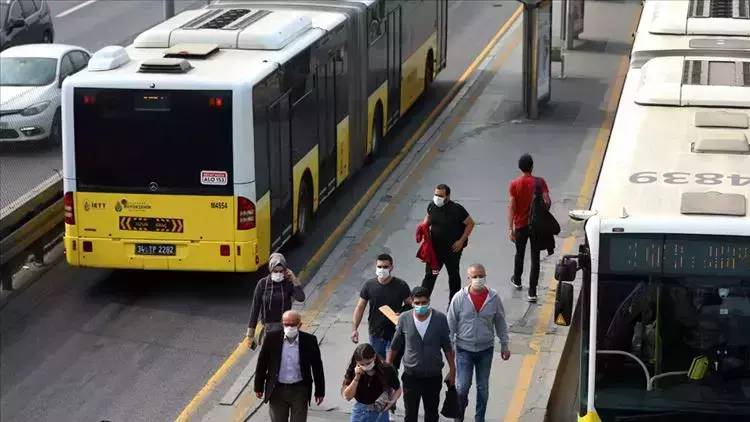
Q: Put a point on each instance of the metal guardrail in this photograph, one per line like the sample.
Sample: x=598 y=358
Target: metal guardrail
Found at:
x=28 y=226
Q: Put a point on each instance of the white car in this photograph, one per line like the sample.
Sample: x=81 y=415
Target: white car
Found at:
x=30 y=83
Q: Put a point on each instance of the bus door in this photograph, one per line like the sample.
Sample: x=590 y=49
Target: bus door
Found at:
x=442 y=33
x=280 y=169
x=326 y=94
x=393 y=29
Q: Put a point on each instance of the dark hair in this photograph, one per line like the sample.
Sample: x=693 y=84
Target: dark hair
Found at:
x=385 y=257
x=444 y=187
x=362 y=352
x=420 y=291
x=526 y=163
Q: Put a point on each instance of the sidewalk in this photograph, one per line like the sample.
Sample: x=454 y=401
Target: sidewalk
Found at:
x=474 y=147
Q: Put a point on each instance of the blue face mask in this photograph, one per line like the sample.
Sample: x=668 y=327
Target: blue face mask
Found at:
x=422 y=309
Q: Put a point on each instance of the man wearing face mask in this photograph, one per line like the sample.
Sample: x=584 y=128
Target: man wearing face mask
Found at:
x=450 y=226
x=273 y=296
x=288 y=364
x=384 y=289
x=422 y=334
x=475 y=316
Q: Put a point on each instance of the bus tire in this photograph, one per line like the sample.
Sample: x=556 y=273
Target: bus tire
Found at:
x=304 y=210
x=377 y=134
x=429 y=71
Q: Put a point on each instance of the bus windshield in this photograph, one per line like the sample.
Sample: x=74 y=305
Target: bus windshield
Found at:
x=679 y=306
x=153 y=141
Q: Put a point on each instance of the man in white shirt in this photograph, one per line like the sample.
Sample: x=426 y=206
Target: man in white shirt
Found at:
x=422 y=334
x=288 y=363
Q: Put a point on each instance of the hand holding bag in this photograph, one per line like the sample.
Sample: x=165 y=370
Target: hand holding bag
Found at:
x=450 y=404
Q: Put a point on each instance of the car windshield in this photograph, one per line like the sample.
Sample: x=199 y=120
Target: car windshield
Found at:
x=27 y=71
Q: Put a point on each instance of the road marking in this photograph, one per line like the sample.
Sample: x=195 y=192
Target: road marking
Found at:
x=75 y=8
x=330 y=287
x=525 y=373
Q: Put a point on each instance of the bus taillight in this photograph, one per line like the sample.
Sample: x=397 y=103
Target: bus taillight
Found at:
x=245 y=214
x=70 y=216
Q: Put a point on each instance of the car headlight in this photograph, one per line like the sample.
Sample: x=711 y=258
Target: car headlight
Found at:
x=35 y=109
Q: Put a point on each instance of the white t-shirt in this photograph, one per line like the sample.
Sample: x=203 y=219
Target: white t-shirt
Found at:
x=422 y=325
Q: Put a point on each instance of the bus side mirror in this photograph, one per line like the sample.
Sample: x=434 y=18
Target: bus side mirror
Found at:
x=563 y=303
x=566 y=269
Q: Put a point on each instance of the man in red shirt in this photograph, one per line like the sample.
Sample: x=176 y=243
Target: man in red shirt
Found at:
x=521 y=194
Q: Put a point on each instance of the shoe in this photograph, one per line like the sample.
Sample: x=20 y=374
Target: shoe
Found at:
x=531 y=298
x=513 y=282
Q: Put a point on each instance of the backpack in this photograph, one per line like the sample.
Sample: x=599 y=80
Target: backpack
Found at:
x=541 y=221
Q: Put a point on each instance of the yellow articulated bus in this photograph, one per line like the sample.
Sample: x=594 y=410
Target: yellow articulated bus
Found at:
x=213 y=139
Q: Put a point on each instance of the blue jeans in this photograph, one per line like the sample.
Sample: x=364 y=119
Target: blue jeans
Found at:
x=381 y=346
x=466 y=363
x=360 y=413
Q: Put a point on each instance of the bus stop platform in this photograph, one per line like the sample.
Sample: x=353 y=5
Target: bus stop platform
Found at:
x=473 y=147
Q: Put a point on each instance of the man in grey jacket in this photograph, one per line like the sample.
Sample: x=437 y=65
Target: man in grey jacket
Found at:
x=475 y=316
x=422 y=334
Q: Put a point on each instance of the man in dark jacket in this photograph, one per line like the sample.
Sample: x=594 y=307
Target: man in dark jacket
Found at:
x=288 y=364
x=521 y=192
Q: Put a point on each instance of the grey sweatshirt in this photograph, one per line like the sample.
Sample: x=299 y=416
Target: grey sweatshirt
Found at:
x=475 y=331
x=422 y=356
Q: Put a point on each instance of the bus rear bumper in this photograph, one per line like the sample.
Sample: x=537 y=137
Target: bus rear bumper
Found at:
x=189 y=255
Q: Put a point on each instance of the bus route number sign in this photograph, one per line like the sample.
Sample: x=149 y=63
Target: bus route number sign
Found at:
x=214 y=178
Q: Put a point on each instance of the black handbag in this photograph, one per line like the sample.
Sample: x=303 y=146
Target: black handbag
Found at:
x=450 y=404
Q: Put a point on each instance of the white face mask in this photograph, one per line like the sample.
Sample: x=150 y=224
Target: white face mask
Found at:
x=277 y=277
x=369 y=367
x=382 y=273
x=291 y=332
x=438 y=201
x=478 y=283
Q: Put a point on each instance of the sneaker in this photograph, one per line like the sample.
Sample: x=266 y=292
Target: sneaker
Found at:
x=515 y=284
x=531 y=298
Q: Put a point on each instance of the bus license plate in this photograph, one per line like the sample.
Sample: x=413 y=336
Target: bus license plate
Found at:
x=164 y=250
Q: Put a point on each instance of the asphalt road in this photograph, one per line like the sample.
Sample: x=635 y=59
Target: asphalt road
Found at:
x=92 y=25
x=132 y=346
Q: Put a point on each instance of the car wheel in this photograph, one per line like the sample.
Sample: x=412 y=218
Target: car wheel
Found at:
x=55 y=132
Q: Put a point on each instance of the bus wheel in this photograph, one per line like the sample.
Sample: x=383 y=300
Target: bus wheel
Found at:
x=304 y=211
x=429 y=71
x=377 y=135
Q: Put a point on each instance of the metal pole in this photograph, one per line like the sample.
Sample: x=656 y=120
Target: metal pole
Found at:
x=168 y=9
x=534 y=64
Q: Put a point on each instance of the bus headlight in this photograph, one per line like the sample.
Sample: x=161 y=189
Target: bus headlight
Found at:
x=35 y=109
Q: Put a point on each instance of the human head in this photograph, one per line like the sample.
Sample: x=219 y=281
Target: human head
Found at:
x=291 y=318
x=364 y=354
x=526 y=163
x=276 y=263
x=442 y=190
x=477 y=274
x=383 y=266
x=420 y=296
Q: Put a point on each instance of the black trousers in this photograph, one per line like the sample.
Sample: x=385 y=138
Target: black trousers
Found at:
x=451 y=260
x=522 y=237
x=426 y=389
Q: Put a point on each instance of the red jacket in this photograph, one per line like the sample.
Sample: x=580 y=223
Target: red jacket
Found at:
x=426 y=253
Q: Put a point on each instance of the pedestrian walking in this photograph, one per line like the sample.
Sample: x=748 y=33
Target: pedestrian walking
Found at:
x=476 y=315
x=383 y=289
x=450 y=226
x=373 y=384
x=288 y=365
x=273 y=296
x=422 y=333
x=521 y=192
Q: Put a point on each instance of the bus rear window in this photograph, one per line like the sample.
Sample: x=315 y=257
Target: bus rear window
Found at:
x=153 y=141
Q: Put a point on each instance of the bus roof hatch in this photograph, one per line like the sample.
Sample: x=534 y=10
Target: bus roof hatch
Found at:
x=714 y=203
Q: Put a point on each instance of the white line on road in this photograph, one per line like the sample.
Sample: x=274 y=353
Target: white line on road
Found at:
x=75 y=8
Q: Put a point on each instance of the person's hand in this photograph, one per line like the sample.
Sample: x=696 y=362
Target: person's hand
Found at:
x=355 y=336
x=457 y=245
x=318 y=400
x=505 y=354
x=451 y=377
x=512 y=235
x=259 y=394
x=358 y=371
x=289 y=274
